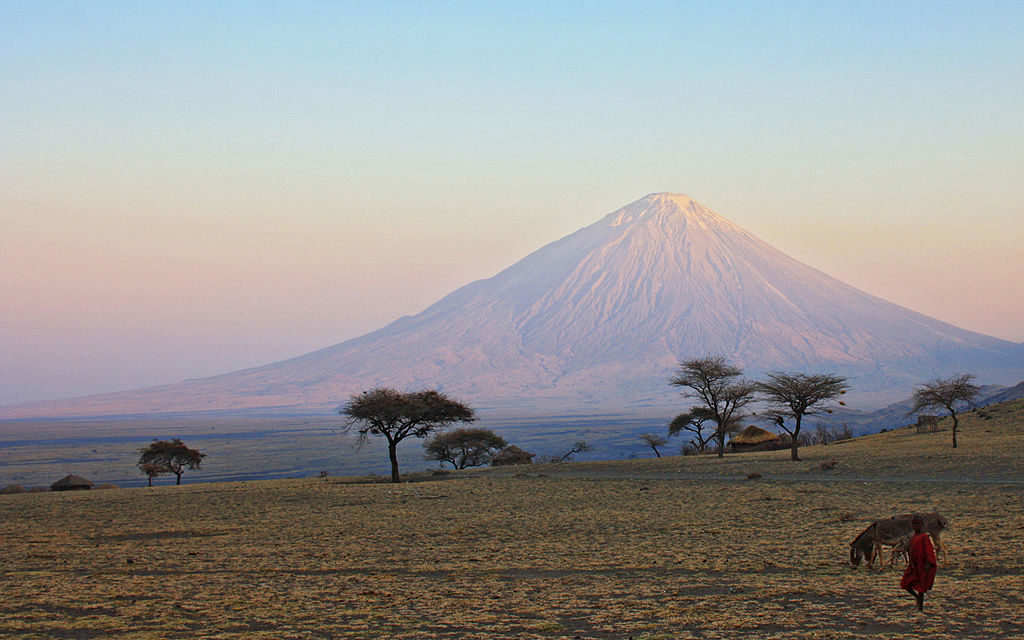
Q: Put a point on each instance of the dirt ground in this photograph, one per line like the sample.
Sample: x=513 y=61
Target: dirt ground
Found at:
x=671 y=548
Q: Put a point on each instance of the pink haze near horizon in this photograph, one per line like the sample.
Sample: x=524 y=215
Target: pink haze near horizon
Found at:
x=187 y=190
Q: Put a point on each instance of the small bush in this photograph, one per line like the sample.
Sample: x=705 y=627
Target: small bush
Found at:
x=825 y=435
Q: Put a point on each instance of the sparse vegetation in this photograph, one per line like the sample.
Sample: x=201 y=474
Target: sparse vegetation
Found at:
x=952 y=394
x=721 y=389
x=465 y=447
x=824 y=434
x=395 y=416
x=654 y=441
x=694 y=423
x=794 y=396
x=580 y=446
x=599 y=550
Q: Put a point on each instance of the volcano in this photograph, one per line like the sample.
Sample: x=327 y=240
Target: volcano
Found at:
x=598 y=321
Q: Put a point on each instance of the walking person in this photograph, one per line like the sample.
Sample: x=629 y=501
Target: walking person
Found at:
x=921 y=564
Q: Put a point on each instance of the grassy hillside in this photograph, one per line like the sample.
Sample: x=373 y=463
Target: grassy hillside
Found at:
x=670 y=548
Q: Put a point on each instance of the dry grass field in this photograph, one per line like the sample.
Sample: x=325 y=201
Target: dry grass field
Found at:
x=679 y=547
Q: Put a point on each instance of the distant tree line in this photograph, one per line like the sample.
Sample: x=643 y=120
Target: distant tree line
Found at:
x=396 y=416
x=722 y=399
x=788 y=398
x=721 y=392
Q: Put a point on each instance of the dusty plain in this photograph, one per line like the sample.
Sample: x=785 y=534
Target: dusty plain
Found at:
x=751 y=546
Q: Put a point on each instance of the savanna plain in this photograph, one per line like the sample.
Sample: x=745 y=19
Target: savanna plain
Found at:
x=749 y=546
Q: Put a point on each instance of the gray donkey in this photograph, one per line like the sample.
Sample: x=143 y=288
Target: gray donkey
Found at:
x=893 y=532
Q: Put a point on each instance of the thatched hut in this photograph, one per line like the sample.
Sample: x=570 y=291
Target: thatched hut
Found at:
x=755 y=438
x=511 y=455
x=71 y=483
x=12 y=488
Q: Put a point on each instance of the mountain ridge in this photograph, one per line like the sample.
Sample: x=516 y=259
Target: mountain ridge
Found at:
x=600 y=318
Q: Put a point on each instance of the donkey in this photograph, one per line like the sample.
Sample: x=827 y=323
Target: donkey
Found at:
x=894 y=531
x=899 y=550
x=934 y=525
x=868 y=543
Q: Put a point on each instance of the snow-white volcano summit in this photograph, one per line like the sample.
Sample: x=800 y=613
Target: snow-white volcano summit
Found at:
x=599 y=320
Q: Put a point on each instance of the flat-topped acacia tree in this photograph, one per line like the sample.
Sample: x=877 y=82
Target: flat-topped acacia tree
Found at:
x=693 y=421
x=721 y=389
x=951 y=394
x=464 y=447
x=169 y=455
x=395 y=416
x=152 y=470
x=654 y=441
x=793 y=396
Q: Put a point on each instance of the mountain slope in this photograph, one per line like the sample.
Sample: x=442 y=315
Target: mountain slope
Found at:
x=599 y=319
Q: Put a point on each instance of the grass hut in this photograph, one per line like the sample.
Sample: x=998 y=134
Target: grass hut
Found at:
x=12 y=488
x=755 y=438
x=71 y=483
x=511 y=455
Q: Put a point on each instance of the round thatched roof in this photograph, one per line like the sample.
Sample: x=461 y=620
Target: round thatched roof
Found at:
x=71 y=482
x=512 y=455
x=754 y=435
x=13 y=488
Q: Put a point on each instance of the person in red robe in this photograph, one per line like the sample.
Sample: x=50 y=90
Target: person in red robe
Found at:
x=920 y=574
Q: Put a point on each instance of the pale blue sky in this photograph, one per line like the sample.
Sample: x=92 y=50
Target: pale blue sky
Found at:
x=192 y=188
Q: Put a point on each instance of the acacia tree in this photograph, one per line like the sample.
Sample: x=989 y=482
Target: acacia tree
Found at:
x=395 y=416
x=170 y=455
x=152 y=470
x=693 y=421
x=580 y=446
x=952 y=394
x=653 y=441
x=720 y=387
x=464 y=447
x=791 y=396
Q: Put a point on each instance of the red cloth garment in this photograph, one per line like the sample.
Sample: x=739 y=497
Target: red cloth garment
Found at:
x=920 y=573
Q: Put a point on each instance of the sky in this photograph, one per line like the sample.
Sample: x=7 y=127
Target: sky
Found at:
x=193 y=188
